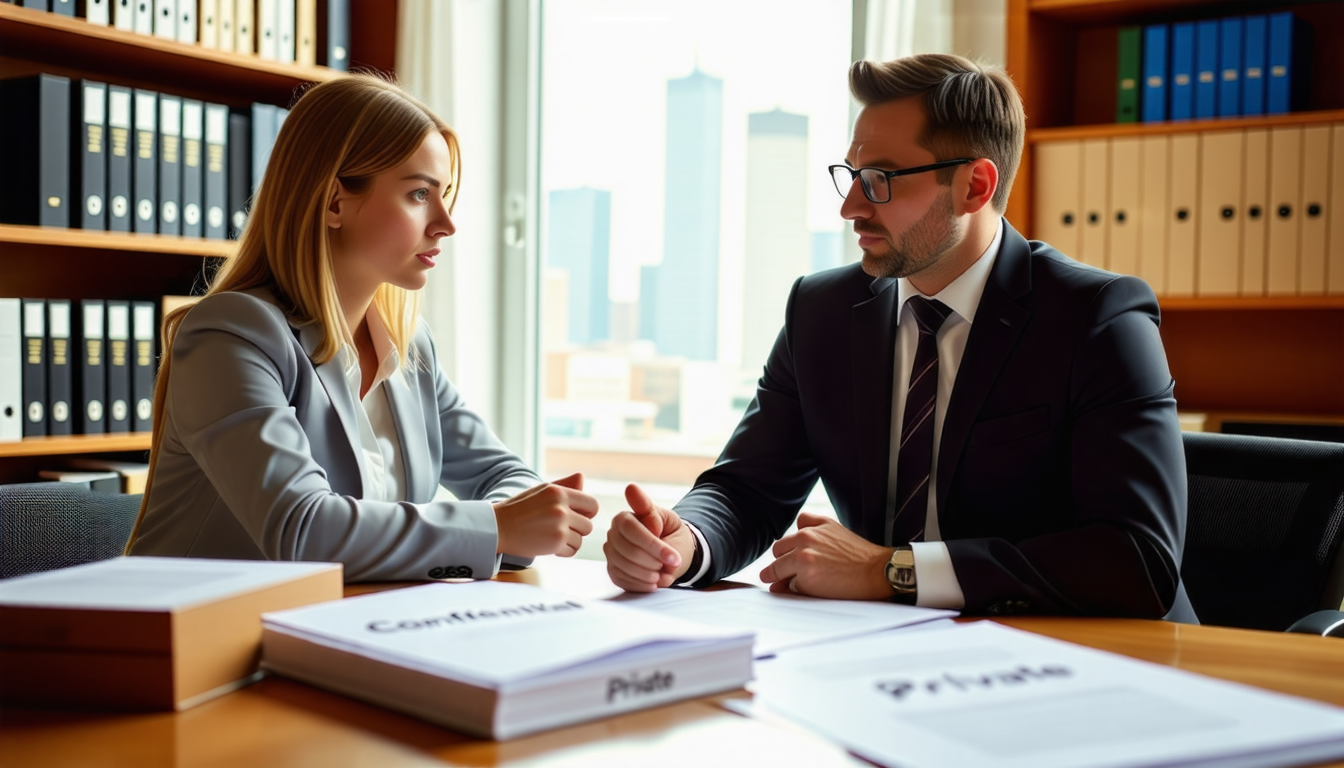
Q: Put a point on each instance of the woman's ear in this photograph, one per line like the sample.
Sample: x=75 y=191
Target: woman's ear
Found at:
x=336 y=199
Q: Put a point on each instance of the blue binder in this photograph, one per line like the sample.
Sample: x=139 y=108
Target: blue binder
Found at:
x=1206 y=69
x=1154 y=73
x=1285 y=90
x=1253 y=65
x=1183 y=71
x=1229 y=61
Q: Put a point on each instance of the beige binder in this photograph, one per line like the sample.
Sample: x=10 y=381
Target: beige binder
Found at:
x=1220 y=213
x=207 y=15
x=1123 y=242
x=305 y=33
x=1255 y=212
x=1285 y=202
x=1334 y=266
x=226 y=28
x=1096 y=184
x=1154 y=186
x=1182 y=232
x=1315 y=201
x=244 y=30
x=1058 y=170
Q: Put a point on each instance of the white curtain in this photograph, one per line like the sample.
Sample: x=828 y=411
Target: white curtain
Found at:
x=889 y=29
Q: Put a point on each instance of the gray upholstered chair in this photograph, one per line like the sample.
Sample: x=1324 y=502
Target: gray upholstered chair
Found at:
x=1266 y=519
x=44 y=526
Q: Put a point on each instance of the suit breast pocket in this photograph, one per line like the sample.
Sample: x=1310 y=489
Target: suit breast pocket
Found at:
x=1007 y=429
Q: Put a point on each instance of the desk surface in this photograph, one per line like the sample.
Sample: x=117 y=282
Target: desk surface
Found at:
x=277 y=722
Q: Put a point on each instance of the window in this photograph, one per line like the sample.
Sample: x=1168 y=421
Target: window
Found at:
x=684 y=188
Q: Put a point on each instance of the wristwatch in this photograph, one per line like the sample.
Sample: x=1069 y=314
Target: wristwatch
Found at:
x=901 y=575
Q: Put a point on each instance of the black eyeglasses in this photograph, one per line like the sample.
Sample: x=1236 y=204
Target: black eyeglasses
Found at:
x=876 y=182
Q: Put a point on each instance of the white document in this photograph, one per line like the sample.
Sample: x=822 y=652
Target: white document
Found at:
x=984 y=695
x=781 y=621
x=150 y=583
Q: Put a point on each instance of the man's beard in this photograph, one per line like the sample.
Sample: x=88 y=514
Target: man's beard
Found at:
x=921 y=245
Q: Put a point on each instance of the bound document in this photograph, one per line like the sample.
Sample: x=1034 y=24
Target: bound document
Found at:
x=502 y=660
x=145 y=632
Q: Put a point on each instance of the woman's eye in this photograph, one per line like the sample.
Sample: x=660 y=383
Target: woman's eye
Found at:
x=420 y=195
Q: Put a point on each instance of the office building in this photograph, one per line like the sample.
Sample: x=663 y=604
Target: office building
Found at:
x=580 y=243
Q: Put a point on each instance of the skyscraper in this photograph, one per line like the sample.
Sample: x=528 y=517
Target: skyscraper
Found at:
x=778 y=245
x=580 y=244
x=680 y=297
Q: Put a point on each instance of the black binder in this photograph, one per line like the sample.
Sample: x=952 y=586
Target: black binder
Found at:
x=119 y=199
x=88 y=154
x=240 y=172
x=145 y=167
x=170 y=165
x=90 y=360
x=142 y=365
x=35 y=151
x=216 y=192
x=193 y=149
x=333 y=34
x=34 y=368
x=264 y=121
x=60 y=368
x=118 y=353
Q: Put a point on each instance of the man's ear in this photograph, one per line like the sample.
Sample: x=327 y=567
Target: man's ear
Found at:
x=337 y=199
x=981 y=179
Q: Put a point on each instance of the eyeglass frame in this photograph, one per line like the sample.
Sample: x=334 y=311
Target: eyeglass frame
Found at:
x=854 y=173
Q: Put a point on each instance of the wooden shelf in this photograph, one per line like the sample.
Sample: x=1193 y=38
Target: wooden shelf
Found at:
x=51 y=446
x=1219 y=303
x=1115 y=130
x=66 y=42
x=114 y=241
x=1116 y=11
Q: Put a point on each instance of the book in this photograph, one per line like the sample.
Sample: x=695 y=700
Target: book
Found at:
x=145 y=633
x=88 y=155
x=97 y=481
x=1253 y=65
x=118 y=366
x=95 y=11
x=60 y=376
x=215 y=192
x=193 y=156
x=1154 y=101
x=90 y=369
x=502 y=660
x=35 y=151
x=1289 y=58
x=239 y=160
x=123 y=14
x=982 y=695
x=1183 y=71
x=1206 y=68
x=144 y=170
x=11 y=370
x=119 y=195
x=34 y=368
x=143 y=331
x=1231 y=31
x=333 y=34
x=170 y=165
x=165 y=18
x=186 y=21
x=1129 y=71
x=131 y=476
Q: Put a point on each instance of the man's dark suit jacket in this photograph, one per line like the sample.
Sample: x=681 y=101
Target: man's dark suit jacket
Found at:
x=1061 y=476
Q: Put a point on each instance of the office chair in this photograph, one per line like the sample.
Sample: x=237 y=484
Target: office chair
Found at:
x=44 y=526
x=1262 y=545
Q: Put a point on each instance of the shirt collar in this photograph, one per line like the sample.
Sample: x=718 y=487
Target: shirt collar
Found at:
x=962 y=295
x=383 y=349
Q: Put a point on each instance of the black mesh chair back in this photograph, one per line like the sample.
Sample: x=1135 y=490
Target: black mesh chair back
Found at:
x=1264 y=529
x=44 y=526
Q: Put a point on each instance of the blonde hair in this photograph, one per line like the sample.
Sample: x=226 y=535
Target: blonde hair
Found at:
x=970 y=110
x=349 y=129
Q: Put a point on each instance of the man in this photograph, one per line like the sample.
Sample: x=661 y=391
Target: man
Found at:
x=993 y=422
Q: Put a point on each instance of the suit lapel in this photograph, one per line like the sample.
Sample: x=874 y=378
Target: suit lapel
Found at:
x=999 y=322
x=873 y=347
x=332 y=376
x=411 y=432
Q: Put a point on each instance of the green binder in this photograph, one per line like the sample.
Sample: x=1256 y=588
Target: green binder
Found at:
x=1127 y=81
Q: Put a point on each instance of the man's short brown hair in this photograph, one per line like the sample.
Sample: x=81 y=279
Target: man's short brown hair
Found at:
x=971 y=110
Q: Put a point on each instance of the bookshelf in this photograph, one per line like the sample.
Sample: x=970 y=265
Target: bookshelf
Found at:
x=46 y=262
x=1276 y=357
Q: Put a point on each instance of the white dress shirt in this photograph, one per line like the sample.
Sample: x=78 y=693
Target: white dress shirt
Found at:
x=938 y=585
x=381 y=468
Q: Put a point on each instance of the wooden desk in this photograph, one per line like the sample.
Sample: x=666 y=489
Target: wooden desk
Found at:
x=277 y=722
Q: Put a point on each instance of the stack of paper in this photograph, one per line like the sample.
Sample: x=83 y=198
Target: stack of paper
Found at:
x=983 y=695
x=502 y=660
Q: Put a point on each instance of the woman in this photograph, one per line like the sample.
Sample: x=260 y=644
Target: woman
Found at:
x=300 y=412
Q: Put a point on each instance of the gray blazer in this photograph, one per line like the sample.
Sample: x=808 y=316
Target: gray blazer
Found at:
x=258 y=458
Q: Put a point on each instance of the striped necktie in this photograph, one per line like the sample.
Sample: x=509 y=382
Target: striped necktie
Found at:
x=914 y=458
